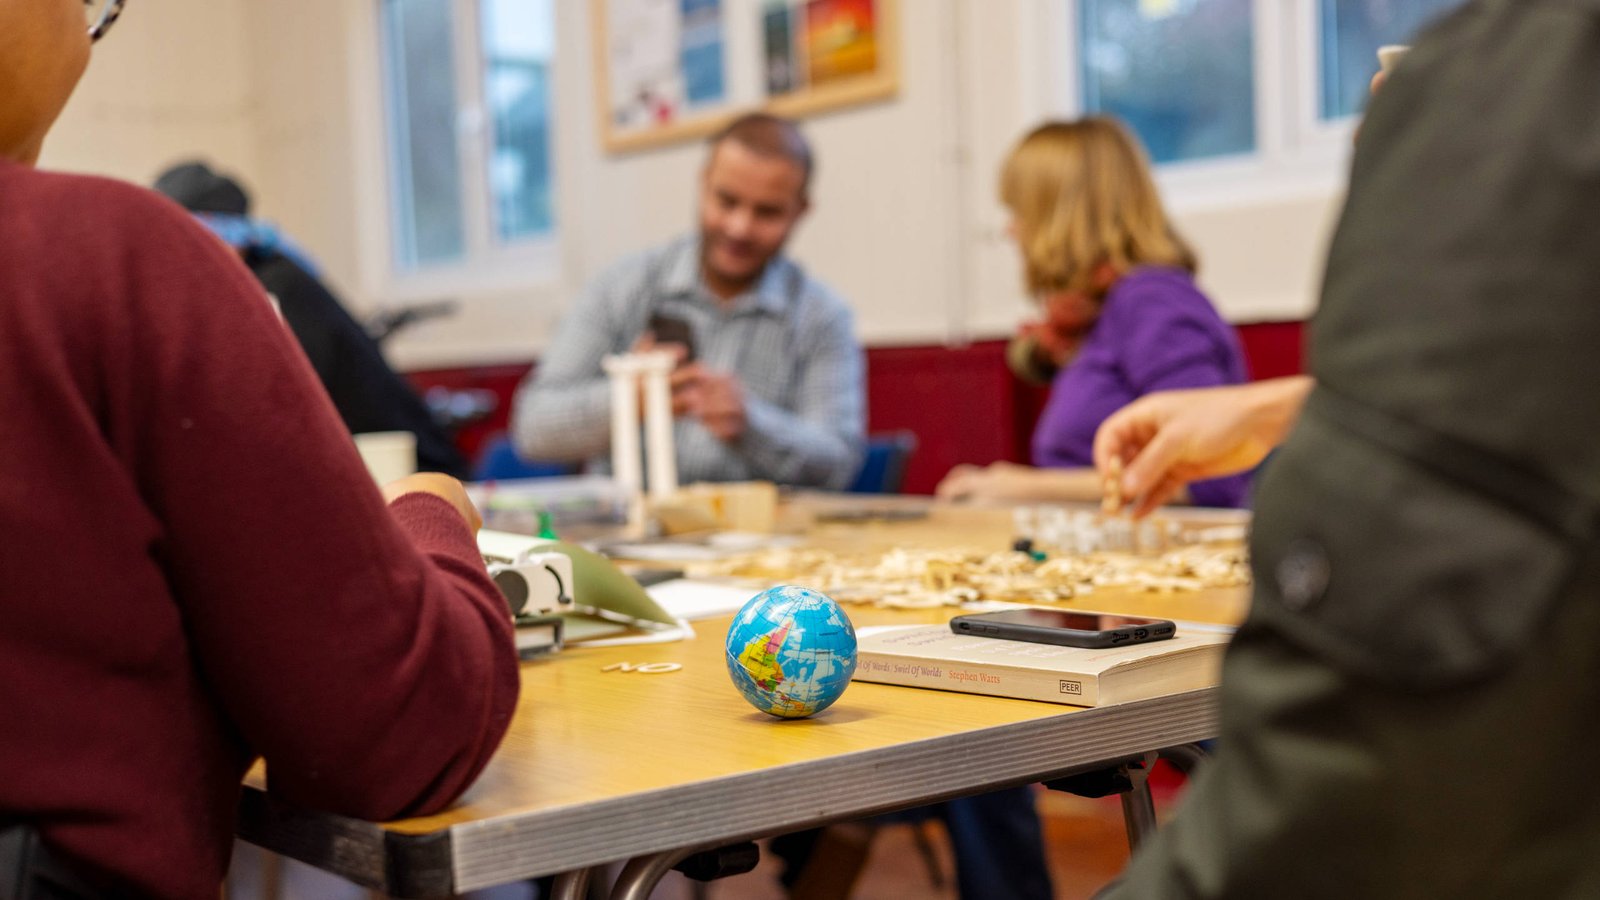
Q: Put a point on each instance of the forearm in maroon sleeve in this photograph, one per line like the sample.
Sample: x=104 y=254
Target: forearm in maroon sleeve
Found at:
x=370 y=664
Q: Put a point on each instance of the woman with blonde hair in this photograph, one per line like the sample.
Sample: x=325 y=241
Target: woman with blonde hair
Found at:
x=1123 y=316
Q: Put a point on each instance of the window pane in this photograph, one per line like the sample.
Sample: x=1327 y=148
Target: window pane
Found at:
x=420 y=69
x=1180 y=72
x=518 y=46
x=1351 y=33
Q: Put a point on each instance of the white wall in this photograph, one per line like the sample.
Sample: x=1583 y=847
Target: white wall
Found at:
x=905 y=221
x=170 y=80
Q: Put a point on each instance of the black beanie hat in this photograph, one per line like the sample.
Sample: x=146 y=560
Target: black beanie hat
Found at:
x=199 y=189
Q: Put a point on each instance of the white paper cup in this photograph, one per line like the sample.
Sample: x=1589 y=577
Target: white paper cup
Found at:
x=1389 y=55
x=389 y=455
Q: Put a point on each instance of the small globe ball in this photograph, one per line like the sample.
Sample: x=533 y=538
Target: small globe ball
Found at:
x=791 y=651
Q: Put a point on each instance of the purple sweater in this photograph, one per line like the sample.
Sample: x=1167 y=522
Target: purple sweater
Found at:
x=1156 y=332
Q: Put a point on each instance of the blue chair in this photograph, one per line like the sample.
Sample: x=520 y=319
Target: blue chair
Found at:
x=498 y=461
x=883 y=470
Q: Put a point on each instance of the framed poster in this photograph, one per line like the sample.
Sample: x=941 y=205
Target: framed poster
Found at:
x=673 y=70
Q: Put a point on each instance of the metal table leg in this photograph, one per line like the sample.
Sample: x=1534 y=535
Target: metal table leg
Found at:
x=642 y=873
x=1138 y=812
x=1184 y=757
x=1128 y=779
x=572 y=885
x=1138 y=807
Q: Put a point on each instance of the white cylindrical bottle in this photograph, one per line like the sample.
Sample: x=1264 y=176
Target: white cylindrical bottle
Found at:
x=660 y=452
x=625 y=464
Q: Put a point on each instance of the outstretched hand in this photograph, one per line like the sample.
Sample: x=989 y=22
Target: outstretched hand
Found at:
x=1001 y=481
x=1163 y=441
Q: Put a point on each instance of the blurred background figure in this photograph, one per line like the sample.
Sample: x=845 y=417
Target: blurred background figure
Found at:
x=369 y=395
x=771 y=383
x=1123 y=315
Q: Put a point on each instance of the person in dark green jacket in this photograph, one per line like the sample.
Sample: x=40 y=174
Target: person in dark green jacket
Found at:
x=1420 y=668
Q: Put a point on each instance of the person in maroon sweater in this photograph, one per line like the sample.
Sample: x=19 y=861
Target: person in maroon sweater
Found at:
x=195 y=568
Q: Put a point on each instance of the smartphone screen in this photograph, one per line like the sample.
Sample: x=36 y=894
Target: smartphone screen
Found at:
x=673 y=330
x=1075 y=628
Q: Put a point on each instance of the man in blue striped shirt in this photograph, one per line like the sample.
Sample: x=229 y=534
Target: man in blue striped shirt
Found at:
x=772 y=382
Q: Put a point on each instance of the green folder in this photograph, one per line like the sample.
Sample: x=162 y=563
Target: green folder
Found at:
x=607 y=601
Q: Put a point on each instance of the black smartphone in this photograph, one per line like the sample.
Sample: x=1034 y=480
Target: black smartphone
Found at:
x=1070 y=627
x=673 y=330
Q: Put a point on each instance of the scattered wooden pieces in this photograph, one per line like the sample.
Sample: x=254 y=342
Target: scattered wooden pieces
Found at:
x=915 y=579
x=1111 y=488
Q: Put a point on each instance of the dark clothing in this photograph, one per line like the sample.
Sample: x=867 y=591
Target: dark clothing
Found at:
x=998 y=844
x=1421 y=663
x=996 y=839
x=368 y=394
x=196 y=568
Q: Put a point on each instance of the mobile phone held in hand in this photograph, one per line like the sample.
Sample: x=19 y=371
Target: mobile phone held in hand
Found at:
x=1068 y=627
x=673 y=330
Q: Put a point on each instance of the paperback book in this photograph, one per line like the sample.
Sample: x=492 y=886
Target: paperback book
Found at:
x=931 y=656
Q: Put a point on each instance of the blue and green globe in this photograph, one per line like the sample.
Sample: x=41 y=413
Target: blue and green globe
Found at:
x=791 y=651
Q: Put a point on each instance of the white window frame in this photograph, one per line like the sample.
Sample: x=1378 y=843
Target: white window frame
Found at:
x=489 y=265
x=1297 y=152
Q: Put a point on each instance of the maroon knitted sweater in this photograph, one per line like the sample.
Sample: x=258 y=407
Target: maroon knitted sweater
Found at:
x=195 y=567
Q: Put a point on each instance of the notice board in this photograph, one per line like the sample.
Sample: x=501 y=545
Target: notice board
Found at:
x=674 y=70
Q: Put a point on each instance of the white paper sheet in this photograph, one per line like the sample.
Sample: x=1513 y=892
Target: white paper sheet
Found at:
x=686 y=598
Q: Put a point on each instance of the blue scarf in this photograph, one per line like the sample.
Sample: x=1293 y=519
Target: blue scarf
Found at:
x=243 y=233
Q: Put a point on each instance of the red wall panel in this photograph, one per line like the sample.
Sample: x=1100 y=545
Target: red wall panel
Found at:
x=1274 y=349
x=499 y=380
x=961 y=402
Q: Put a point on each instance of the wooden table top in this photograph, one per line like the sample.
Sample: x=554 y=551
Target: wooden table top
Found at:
x=600 y=765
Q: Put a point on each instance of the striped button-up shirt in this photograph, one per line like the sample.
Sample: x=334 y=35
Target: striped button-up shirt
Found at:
x=790 y=342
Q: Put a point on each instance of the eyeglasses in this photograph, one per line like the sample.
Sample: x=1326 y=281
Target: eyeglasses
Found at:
x=100 y=14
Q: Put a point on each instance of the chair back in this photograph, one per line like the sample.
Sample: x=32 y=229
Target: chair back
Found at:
x=498 y=461
x=883 y=470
